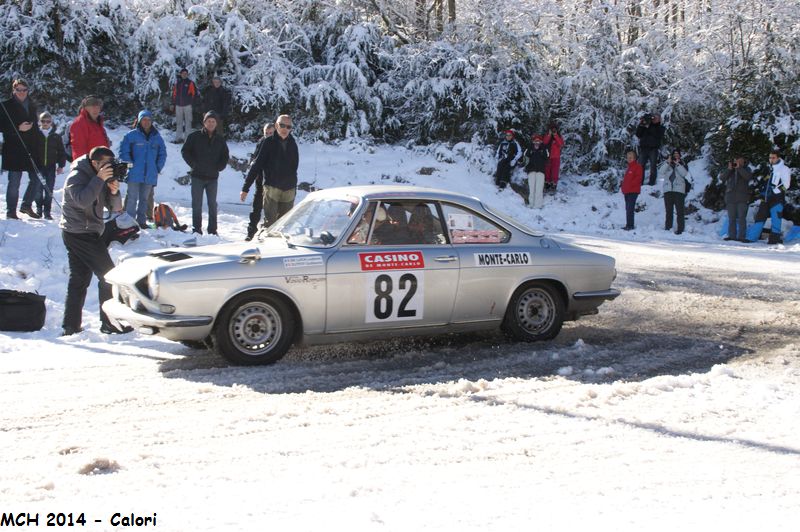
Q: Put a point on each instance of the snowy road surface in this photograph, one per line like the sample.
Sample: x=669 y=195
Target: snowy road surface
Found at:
x=676 y=408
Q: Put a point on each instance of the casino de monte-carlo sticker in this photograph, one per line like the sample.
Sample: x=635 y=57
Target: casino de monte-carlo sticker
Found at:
x=395 y=260
x=395 y=288
x=302 y=262
x=502 y=259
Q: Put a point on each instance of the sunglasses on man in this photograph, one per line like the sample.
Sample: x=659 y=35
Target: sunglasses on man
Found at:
x=285 y=126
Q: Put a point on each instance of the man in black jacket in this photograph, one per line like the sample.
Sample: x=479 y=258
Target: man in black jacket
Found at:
x=651 y=134
x=19 y=125
x=278 y=160
x=737 y=197
x=218 y=99
x=258 y=196
x=206 y=153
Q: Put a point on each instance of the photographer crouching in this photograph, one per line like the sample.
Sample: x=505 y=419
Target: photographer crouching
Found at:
x=91 y=187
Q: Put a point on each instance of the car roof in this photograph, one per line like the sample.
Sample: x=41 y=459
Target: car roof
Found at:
x=399 y=192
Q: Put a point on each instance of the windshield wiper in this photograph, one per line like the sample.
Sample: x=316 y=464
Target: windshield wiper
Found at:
x=286 y=237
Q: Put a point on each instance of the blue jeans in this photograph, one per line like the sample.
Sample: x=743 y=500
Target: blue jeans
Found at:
x=209 y=186
x=45 y=199
x=12 y=192
x=136 y=201
x=649 y=155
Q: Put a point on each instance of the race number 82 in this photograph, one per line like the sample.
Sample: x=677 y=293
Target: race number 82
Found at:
x=394 y=296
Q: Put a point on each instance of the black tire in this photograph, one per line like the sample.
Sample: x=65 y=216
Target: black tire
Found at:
x=535 y=313
x=254 y=329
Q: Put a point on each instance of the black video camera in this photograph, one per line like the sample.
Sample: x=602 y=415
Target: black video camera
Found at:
x=647 y=118
x=120 y=170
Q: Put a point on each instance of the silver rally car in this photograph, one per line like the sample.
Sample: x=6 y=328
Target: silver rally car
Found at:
x=359 y=263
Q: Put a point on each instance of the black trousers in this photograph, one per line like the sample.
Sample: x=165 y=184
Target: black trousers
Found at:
x=258 y=207
x=87 y=255
x=502 y=176
x=649 y=155
x=630 y=208
x=674 y=201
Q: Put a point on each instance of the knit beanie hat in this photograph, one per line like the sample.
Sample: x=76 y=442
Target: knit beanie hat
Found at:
x=144 y=113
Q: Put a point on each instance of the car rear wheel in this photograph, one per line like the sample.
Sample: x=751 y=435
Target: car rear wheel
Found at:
x=536 y=312
x=254 y=329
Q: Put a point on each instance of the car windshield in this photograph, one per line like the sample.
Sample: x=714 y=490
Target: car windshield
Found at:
x=316 y=223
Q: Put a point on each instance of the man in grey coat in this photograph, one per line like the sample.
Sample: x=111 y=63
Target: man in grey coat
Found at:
x=737 y=197
x=89 y=190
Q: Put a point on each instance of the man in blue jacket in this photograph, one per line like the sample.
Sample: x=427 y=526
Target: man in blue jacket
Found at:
x=145 y=149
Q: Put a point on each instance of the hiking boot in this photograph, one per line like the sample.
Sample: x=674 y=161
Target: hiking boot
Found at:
x=775 y=238
x=12 y=216
x=110 y=329
x=30 y=212
x=47 y=216
x=69 y=331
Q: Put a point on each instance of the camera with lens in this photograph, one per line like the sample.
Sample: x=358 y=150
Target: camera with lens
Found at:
x=647 y=118
x=120 y=170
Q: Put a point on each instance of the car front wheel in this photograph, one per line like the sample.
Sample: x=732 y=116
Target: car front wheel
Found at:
x=536 y=312
x=254 y=329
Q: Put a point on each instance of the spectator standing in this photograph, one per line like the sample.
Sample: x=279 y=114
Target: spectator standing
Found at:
x=737 y=197
x=145 y=149
x=184 y=94
x=554 y=142
x=631 y=188
x=538 y=157
x=674 y=174
x=218 y=99
x=87 y=130
x=258 y=179
x=88 y=190
x=51 y=157
x=278 y=160
x=19 y=125
x=508 y=153
x=206 y=153
x=774 y=197
x=651 y=134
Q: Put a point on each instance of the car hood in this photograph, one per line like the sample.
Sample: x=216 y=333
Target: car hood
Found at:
x=171 y=260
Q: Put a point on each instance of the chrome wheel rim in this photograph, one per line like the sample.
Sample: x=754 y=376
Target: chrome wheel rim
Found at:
x=536 y=311
x=255 y=328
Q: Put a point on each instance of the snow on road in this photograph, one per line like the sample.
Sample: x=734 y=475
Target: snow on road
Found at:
x=676 y=407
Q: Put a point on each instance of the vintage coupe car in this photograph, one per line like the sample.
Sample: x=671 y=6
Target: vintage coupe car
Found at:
x=366 y=262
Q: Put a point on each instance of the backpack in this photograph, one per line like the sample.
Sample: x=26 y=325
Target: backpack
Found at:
x=21 y=311
x=120 y=229
x=164 y=216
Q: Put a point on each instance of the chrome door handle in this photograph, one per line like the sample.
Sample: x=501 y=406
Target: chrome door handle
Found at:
x=447 y=258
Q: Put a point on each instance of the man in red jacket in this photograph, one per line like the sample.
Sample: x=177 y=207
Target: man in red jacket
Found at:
x=87 y=131
x=553 y=141
x=631 y=188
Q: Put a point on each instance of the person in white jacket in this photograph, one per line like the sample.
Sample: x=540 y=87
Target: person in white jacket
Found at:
x=773 y=198
x=674 y=173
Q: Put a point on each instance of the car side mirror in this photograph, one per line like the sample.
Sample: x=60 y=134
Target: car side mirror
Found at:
x=250 y=256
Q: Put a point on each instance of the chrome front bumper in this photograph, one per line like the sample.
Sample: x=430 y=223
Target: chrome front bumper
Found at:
x=120 y=312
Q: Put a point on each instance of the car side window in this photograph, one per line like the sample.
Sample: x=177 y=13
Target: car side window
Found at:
x=468 y=227
x=399 y=223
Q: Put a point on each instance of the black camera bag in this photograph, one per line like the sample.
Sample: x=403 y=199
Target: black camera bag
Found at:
x=21 y=311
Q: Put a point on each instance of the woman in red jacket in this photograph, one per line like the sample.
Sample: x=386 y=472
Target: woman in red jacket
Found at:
x=87 y=131
x=553 y=141
x=631 y=187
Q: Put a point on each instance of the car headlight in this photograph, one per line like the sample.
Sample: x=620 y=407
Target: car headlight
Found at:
x=152 y=285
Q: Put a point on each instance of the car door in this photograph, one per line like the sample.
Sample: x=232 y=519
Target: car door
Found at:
x=488 y=264
x=389 y=275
